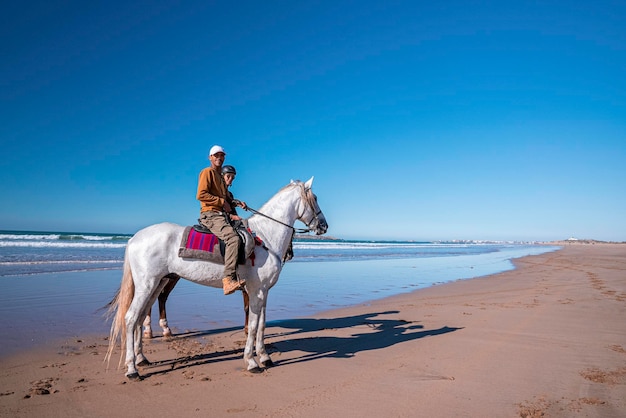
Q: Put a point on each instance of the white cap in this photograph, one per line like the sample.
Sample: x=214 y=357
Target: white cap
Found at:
x=215 y=149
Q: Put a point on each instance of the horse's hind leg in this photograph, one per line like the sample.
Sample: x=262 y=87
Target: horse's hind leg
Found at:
x=133 y=338
x=140 y=358
x=147 y=326
x=147 y=323
x=141 y=304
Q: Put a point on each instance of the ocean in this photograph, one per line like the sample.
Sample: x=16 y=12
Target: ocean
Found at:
x=31 y=252
x=54 y=282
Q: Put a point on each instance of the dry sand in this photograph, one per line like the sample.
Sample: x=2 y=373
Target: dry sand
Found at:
x=545 y=340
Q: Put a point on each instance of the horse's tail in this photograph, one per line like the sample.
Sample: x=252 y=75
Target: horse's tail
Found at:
x=119 y=306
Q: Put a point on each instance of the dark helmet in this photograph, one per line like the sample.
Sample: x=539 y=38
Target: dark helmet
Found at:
x=228 y=169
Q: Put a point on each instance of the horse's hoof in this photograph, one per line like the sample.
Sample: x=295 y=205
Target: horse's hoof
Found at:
x=134 y=377
x=255 y=370
x=268 y=363
x=143 y=363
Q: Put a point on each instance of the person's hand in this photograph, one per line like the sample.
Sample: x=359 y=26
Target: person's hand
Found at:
x=241 y=204
x=235 y=218
x=227 y=207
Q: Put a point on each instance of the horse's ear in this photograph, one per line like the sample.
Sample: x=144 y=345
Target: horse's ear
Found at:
x=309 y=183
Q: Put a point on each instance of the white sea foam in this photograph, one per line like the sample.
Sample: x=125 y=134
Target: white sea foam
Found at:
x=95 y=237
x=59 y=262
x=29 y=236
x=61 y=244
x=62 y=237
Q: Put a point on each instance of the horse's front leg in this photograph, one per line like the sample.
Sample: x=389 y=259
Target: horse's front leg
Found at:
x=246 y=309
x=254 y=315
x=264 y=357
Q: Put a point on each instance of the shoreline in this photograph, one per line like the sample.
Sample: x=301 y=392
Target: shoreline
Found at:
x=545 y=338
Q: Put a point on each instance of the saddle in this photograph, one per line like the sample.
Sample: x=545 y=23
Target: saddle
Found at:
x=200 y=243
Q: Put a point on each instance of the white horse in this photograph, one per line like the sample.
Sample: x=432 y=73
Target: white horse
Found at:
x=152 y=259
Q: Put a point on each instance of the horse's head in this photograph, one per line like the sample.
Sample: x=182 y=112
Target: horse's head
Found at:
x=309 y=211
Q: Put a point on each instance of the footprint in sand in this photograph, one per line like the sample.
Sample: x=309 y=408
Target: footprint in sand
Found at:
x=617 y=348
x=41 y=387
x=610 y=377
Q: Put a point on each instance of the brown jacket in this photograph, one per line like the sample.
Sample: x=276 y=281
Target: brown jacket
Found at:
x=211 y=190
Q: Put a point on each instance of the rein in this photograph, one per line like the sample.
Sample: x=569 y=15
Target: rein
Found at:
x=295 y=230
x=289 y=252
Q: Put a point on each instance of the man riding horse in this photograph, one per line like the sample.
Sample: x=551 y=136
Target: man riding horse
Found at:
x=216 y=204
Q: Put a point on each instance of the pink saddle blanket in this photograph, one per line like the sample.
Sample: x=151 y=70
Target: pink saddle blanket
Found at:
x=200 y=241
x=206 y=246
x=199 y=245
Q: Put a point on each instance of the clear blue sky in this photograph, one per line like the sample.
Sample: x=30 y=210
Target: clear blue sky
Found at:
x=419 y=120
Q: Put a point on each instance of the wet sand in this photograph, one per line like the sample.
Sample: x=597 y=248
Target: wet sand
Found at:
x=546 y=339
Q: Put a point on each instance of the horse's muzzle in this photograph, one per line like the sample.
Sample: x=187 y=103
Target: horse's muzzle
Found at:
x=322 y=227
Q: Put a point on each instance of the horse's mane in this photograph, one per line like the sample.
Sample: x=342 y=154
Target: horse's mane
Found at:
x=307 y=194
x=294 y=183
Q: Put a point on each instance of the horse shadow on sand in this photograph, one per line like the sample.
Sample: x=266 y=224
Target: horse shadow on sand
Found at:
x=373 y=332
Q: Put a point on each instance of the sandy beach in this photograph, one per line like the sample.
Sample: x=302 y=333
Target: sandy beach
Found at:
x=547 y=339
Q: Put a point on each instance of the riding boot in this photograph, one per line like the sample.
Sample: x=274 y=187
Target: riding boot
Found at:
x=232 y=284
